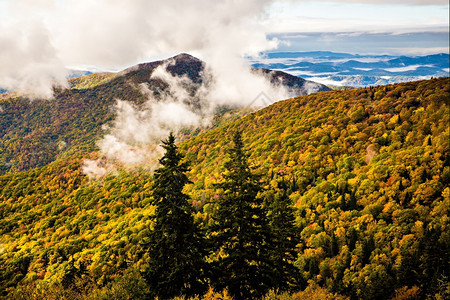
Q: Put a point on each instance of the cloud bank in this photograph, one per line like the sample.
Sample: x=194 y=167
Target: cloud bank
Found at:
x=117 y=34
x=28 y=61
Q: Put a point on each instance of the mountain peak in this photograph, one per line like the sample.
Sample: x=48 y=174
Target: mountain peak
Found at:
x=184 y=57
x=184 y=64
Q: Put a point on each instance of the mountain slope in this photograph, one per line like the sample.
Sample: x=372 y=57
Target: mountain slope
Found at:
x=348 y=122
x=36 y=133
x=367 y=170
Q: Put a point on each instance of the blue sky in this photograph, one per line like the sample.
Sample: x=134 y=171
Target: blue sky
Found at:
x=412 y=43
x=364 y=27
x=341 y=15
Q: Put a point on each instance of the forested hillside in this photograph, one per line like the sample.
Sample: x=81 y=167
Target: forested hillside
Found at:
x=368 y=171
x=366 y=174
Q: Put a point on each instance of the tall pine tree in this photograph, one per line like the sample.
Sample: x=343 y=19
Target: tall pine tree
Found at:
x=240 y=230
x=285 y=238
x=175 y=248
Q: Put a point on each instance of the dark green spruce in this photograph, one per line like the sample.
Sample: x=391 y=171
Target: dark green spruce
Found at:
x=285 y=237
x=240 y=230
x=176 y=263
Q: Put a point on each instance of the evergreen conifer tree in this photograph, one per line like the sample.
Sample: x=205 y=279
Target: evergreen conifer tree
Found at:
x=240 y=230
x=284 y=240
x=175 y=245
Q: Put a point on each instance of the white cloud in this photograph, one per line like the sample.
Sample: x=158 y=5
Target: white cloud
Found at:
x=407 y=68
x=117 y=34
x=120 y=33
x=133 y=138
x=28 y=61
x=94 y=169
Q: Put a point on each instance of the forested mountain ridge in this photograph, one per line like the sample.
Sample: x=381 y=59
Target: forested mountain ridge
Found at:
x=367 y=171
x=35 y=133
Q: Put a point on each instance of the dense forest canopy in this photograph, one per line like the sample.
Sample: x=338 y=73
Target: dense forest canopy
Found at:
x=365 y=172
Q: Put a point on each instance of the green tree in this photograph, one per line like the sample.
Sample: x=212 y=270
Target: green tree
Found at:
x=240 y=230
x=285 y=238
x=175 y=244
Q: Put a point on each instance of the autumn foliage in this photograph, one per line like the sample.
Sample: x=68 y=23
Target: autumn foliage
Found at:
x=366 y=173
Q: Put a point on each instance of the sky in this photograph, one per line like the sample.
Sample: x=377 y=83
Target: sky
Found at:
x=40 y=39
x=350 y=16
x=372 y=43
x=361 y=27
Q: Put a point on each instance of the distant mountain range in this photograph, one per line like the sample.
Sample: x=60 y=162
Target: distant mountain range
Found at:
x=341 y=69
